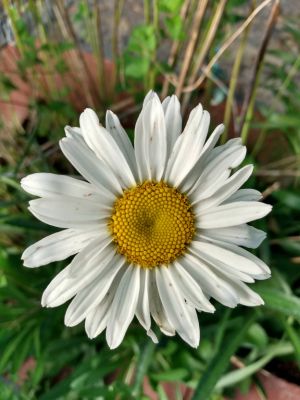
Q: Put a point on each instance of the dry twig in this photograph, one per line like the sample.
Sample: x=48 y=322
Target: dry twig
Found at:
x=174 y=49
x=207 y=42
x=191 y=45
x=228 y=42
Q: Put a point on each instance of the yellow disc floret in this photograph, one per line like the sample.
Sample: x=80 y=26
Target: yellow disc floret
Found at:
x=152 y=224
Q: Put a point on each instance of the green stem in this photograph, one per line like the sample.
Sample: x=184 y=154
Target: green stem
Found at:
x=233 y=83
x=10 y=12
x=222 y=329
x=250 y=110
x=147 y=11
x=98 y=50
x=147 y=18
x=118 y=7
x=142 y=366
x=152 y=71
x=293 y=336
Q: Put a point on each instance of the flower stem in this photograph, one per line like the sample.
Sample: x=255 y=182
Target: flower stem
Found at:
x=233 y=82
x=142 y=366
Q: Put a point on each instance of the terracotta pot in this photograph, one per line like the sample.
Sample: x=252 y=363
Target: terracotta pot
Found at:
x=81 y=77
x=275 y=389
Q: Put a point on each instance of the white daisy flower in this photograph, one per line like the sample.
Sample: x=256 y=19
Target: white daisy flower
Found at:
x=156 y=229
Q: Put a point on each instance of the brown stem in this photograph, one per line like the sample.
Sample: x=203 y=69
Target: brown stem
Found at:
x=258 y=63
x=67 y=29
x=191 y=45
x=118 y=6
x=99 y=51
x=174 y=50
x=227 y=43
x=207 y=42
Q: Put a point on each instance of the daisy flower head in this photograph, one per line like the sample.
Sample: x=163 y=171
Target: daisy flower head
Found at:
x=157 y=230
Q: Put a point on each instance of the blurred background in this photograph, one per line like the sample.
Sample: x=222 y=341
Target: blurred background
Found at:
x=241 y=60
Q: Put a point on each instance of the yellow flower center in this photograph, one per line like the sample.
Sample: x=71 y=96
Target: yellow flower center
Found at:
x=152 y=224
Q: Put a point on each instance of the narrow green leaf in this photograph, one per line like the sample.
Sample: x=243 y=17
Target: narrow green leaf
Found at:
x=220 y=361
x=142 y=366
x=232 y=378
x=176 y=374
x=276 y=300
x=13 y=345
x=294 y=337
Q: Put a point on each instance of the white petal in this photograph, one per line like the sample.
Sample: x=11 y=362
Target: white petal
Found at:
x=208 y=156
x=195 y=172
x=247 y=296
x=157 y=309
x=178 y=312
x=93 y=294
x=244 y=195
x=90 y=167
x=217 y=267
x=83 y=269
x=105 y=147
x=97 y=318
x=123 y=307
x=52 y=185
x=149 y=96
x=68 y=212
x=232 y=214
x=188 y=146
x=171 y=107
x=221 y=257
x=120 y=136
x=241 y=235
x=209 y=281
x=231 y=185
x=217 y=171
x=74 y=133
x=143 y=307
x=58 y=246
x=236 y=142
x=263 y=268
x=150 y=140
x=242 y=293
x=152 y=336
x=102 y=245
x=190 y=289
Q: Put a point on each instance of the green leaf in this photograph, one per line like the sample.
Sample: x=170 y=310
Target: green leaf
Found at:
x=143 y=363
x=162 y=393
x=290 y=245
x=174 y=27
x=136 y=68
x=6 y=86
x=176 y=375
x=219 y=363
x=232 y=378
x=171 y=6
x=288 y=198
x=276 y=300
x=13 y=345
x=293 y=335
x=142 y=40
x=258 y=336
